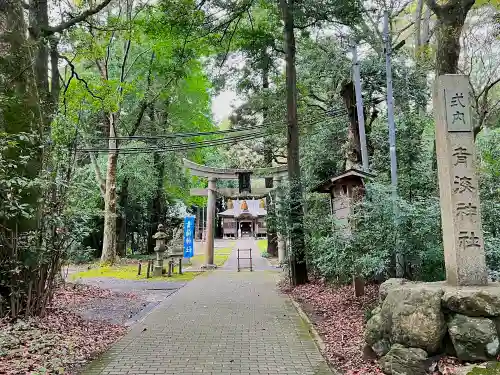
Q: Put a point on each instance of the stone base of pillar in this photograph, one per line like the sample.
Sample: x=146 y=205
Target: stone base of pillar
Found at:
x=158 y=271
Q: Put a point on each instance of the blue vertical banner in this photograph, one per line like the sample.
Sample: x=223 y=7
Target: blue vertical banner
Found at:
x=188 y=236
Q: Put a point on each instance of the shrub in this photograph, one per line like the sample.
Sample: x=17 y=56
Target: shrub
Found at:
x=371 y=248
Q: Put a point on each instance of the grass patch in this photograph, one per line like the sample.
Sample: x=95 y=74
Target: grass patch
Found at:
x=220 y=257
x=262 y=245
x=129 y=272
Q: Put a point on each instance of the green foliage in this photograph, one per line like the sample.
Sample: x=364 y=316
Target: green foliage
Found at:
x=492 y=368
x=79 y=255
x=370 y=249
x=17 y=152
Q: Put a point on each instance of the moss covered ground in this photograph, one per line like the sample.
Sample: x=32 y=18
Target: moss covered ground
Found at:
x=129 y=271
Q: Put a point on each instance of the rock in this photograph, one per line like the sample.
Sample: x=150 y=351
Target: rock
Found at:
x=374 y=330
x=388 y=285
x=472 y=301
x=447 y=346
x=381 y=347
x=403 y=361
x=474 y=339
x=411 y=315
x=465 y=370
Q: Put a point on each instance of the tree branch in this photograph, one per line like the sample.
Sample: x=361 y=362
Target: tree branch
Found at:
x=434 y=6
x=66 y=25
x=316 y=97
x=487 y=88
x=75 y=74
x=98 y=175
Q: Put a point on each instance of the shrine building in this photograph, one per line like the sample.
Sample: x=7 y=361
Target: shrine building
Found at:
x=245 y=217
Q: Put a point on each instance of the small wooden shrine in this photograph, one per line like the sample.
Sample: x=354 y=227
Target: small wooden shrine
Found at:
x=344 y=189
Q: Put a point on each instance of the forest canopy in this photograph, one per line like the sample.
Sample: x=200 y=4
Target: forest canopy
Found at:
x=101 y=101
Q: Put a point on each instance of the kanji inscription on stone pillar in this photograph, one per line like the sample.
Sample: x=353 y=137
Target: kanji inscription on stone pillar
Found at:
x=458 y=185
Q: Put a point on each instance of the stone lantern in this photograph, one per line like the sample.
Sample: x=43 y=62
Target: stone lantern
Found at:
x=160 y=248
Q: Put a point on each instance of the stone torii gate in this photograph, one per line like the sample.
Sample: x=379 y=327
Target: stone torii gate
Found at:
x=243 y=176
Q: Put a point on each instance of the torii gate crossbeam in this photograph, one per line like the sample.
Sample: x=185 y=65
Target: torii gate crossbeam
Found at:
x=213 y=174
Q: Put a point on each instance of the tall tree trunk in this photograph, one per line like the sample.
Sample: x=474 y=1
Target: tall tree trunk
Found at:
x=451 y=19
x=425 y=35
x=38 y=22
x=157 y=205
x=353 y=152
x=418 y=27
x=122 y=220
x=20 y=109
x=450 y=22
x=272 y=239
x=298 y=259
x=109 y=240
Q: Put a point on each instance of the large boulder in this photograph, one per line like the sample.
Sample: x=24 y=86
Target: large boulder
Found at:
x=381 y=347
x=411 y=315
x=474 y=339
x=374 y=335
x=403 y=361
x=374 y=330
x=473 y=301
x=388 y=285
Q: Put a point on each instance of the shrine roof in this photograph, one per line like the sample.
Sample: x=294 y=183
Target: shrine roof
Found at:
x=325 y=186
x=254 y=209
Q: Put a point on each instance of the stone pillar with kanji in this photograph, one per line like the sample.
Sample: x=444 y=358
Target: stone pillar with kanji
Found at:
x=458 y=184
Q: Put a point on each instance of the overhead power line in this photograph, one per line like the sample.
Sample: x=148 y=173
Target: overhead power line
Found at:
x=182 y=146
x=205 y=143
x=331 y=112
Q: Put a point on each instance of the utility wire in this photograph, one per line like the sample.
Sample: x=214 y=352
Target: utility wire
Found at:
x=180 y=147
x=193 y=145
x=205 y=143
x=208 y=133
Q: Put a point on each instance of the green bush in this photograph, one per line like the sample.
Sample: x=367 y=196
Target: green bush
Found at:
x=370 y=249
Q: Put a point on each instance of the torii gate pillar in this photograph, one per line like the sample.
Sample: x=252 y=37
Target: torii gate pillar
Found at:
x=209 y=249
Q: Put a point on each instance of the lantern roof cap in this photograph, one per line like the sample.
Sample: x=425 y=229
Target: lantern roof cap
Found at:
x=350 y=174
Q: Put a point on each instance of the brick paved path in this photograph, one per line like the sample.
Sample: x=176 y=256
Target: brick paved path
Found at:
x=223 y=322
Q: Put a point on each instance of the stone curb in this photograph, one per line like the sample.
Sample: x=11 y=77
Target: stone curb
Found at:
x=147 y=310
x=141 y=315
x=320 y=344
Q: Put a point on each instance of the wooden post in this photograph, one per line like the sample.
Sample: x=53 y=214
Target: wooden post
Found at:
x=148 y=272
x=359 y=286
x=139 y=266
